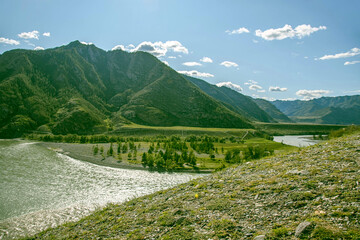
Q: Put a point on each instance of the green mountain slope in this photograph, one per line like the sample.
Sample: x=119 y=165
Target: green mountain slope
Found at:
x=329 y=110
x=233 y=100
x=83 y=85
x=270 y=109
x=188 y=107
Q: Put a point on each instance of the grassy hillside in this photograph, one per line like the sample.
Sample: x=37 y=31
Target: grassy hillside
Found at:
x=142 y=130
x=38 y=88
x=270 y=109
x=312 y=193
x=233 y=100
x=297 y=128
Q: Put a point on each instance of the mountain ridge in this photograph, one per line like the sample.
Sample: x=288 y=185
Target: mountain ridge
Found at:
x=233 y=100
x=326 y=110
x=36 y=85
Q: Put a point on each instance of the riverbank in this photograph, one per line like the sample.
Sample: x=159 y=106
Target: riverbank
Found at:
x=311 y=193
x=84 y=152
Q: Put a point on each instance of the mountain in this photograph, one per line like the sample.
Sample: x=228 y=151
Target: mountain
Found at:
x=327 y=110
x=270 y=109
x=233 y=100
x=82 y=89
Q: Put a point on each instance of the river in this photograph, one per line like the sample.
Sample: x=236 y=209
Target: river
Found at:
x=40 y=188
x=298 y=141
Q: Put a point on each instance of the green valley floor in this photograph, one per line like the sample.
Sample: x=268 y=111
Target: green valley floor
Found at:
x=311 y=193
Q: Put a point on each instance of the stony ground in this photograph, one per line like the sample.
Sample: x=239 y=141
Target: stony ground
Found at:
x=313 y=193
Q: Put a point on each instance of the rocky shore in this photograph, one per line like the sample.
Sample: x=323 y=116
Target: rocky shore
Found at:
x=313 y=193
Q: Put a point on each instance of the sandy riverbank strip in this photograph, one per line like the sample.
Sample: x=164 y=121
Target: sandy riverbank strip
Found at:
x=84 y=152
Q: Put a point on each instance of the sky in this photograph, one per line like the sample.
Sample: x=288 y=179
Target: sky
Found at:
x=279 y=49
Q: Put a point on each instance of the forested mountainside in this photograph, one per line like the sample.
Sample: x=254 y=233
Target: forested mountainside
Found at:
x=83 y=89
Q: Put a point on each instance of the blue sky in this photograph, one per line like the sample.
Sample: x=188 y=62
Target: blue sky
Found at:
x=270 y=49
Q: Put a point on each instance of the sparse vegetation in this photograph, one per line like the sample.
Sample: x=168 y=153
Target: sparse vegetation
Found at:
x=272 y=196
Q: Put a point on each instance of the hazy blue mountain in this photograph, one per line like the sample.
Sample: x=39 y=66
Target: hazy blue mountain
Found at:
x=329 y=110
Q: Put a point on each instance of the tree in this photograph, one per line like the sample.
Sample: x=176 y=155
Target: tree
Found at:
x=228 y=156
x=110 y=152
x=159 y=162
x=150 y=161
x=144 y=160
x=119 y=148
x=192 y=158
x=124 y=148
x=95 y=149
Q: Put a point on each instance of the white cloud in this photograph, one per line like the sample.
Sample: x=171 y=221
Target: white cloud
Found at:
x=46 y=34
x=118 y=47
x=172 y=57
x=175 y=46
x=310 y=94
x=29 y=35
x=237 y=31
x=194 y=73
x=206 y=60
x=229 y=64
x=251 y=82
x=87 y=43
x=255 y=41
x=230 y=85
x=306 y=30
x=255 y=87
x=353 y=52
x=39 y=48
x=288 y=32
x=128 y=48
x=9 y=41
x=191 y=64
x=277 y=89
x=166 y=63
x=158 y=49
x=352 y=62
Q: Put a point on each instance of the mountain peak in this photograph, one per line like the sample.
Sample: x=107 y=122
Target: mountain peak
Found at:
x=78 y=44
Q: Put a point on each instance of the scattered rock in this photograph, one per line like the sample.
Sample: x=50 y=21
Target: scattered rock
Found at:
x=303 y=228
x=260 y=237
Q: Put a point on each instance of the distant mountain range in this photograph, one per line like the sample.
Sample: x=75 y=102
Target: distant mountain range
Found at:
x=82 y=89
x=325 y=110
x=233 y=100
